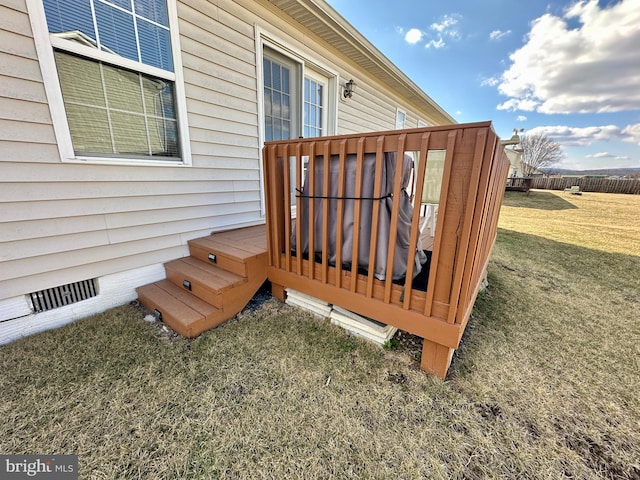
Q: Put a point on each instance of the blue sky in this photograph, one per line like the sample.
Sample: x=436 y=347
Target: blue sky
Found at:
x=570 y=69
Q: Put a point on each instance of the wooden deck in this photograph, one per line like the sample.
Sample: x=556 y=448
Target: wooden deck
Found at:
x=224 y=270
x=212 y=285
x=519 y=184
x=471 y=191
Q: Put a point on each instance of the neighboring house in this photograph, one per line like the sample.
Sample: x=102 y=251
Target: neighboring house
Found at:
x=515 y=159
x=513 y=149
x=129 y=128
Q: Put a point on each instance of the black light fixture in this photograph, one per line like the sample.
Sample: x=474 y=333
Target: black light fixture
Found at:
x=349 y=88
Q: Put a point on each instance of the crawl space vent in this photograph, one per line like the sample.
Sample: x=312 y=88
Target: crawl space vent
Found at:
x=63 y=295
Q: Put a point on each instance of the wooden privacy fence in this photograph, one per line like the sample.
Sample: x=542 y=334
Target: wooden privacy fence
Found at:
x=519 y=184
x=604 y=185
x=320 y=221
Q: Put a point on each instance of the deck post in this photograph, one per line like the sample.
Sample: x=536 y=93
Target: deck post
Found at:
x=436 y=358
x=278 y=291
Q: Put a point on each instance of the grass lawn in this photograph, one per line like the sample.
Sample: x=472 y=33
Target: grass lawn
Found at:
x=545 y=384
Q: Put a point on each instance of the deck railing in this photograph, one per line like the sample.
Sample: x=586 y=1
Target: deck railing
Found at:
x=519 y=184
x=310 y=195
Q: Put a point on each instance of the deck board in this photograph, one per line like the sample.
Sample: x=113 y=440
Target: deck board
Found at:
x=252 y=239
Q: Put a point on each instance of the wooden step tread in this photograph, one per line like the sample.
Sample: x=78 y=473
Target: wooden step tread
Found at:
x=256 y=236
x=187 y=298
x=175 y=313
x=241 y=250
x=213 y=277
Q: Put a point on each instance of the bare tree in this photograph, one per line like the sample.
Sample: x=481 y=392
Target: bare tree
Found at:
x=539 y=151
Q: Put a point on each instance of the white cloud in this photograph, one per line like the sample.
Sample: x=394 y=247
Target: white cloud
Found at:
x=526 y=104
x=491 y=82
x=579 y=136
x=413 y=36
x=607 y=155
x=448 y=25
x=521 y=118
x=439 y=43
x=592 y=68
x=438 y=33
x=498 y=34
x=632 y=133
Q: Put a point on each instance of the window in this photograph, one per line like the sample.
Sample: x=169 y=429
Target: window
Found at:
x=295 y=99
x=116 y=71
x=280 y=97
x=314 y=120
x=400 y=119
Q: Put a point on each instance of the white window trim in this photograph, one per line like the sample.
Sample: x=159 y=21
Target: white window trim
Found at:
x=264 y=38
x=45 y=44
x=422 y=123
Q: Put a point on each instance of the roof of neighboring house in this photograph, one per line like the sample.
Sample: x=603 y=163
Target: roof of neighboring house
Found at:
x=319 y=17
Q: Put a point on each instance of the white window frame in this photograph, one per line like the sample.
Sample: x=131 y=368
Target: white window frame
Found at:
x=308 y=63
x=404 y=118
x=422 y=123
x=45 y=44
x=324 y=81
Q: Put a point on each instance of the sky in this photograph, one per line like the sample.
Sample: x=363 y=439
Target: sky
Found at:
x=569 y=69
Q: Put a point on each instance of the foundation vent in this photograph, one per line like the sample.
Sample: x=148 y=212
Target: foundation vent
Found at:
x=63 y=295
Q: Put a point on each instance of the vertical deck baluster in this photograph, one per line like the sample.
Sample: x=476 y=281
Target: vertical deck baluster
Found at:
x=326 y=202
x=444 y=197
x=357 y=213
x=312 y=209
x=469 y=210
x=419 y=174
x=340 y=212
x=276 y=191
x=286 y=207
x=299 y=207
x=395 y=212
x=266 y=167
x=375 y=218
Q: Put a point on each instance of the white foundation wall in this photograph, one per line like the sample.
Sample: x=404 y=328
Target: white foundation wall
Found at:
x=17 y=319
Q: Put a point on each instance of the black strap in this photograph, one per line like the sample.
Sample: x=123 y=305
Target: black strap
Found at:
x=300 y=195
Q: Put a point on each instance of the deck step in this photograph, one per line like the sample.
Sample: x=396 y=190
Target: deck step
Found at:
x=183 y=312
x=232 y=258
x=205 y=281
x=213 y=284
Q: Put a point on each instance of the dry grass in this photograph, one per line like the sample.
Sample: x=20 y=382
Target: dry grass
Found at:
x=544 y=385
x=602 y=221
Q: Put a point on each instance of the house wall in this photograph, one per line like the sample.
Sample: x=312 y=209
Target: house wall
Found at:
x=66 y=222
